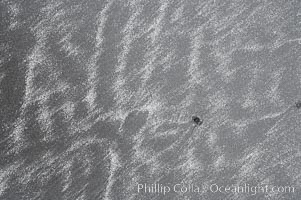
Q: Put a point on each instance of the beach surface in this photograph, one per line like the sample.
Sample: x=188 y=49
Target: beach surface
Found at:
x=97 y=99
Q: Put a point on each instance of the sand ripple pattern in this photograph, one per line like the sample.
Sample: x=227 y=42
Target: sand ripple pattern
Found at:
x=97 y=96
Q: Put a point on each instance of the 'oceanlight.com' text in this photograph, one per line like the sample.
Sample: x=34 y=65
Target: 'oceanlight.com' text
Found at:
x=158 y=188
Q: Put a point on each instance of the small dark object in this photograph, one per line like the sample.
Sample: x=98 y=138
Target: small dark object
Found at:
x=298 y=104
x=197 y=120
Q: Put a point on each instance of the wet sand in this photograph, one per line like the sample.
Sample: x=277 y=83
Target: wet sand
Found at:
x=97 y=99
